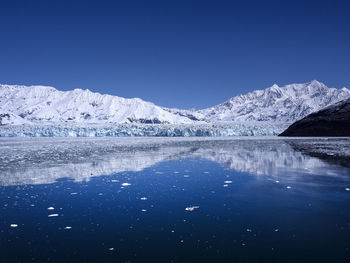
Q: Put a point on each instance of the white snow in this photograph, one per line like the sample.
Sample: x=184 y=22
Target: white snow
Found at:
x=53 y=109
x=43 y=103
x=282 y=104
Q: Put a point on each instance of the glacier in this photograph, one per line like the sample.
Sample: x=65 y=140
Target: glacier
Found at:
x=136 y=130
x=42 y=111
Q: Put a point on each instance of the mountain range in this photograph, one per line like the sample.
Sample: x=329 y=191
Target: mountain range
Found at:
x=43 y=104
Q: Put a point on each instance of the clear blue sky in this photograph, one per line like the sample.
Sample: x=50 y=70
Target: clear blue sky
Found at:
x=187 y=54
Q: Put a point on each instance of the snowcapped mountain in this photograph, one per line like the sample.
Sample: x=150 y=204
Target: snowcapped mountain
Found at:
x=42 y=104
x=47 y=104
x=281 y=104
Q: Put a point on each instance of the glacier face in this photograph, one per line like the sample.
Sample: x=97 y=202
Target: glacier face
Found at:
x=283 y=104
x=137 y=130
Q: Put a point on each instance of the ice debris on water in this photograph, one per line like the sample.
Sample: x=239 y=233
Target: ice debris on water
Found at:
x=125 y=184
x=50 y=208
x=68 y=227
x=52 y=215
x=347 y=189
x=191 y=208
x=228 y=182
x=13 y=225
x=143 y=198
x=289 y=187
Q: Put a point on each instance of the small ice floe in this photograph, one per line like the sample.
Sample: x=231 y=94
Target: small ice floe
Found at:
x=13 y=225
x=73 y=193
x=114 y=181
x=289 y=187
x=52 y=215
x=191 y=208
x=176 y=172
x=125 y=184
x=186 y=175
x=277 y=181
x=276 y=230
x=143 y=198
x=225 y=185
x=347 y=189
x=100 y=194
x=68 y=227
x=144 y=210
x=228 y=182
x=111 y=249
x=159 y=172
x=249 y=230
x=51 y=208
x=205 y=172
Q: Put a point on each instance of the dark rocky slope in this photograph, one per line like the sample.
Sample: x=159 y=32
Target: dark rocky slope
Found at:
x=331 y=121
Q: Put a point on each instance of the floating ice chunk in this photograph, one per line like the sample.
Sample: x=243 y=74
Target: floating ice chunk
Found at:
x=111 y=249
x=249 y=230
x=276 y=230
x=68 y=227
x=228 y=182
x=205 y=172
x=191 y=208
x=52 y=215
x=186 y=176
x=73 y=193
x=289 y=187
x=347 y=189
x=143 y=198
x=125 y=184
x=225 y=185
x=51 y=208
x=277 y=181
x=13 y=225
x=114 y=181
x=143 y=210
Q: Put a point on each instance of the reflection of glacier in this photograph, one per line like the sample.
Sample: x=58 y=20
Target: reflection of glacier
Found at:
x=42 y=161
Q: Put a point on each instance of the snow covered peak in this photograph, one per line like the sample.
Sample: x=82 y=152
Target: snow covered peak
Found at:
x=283 y=104
x=47 y=104
x=42 y=104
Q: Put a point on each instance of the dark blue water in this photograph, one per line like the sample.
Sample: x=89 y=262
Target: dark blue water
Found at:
x=259 y=201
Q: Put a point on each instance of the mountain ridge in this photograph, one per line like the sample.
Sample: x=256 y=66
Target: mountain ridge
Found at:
x=21 y=104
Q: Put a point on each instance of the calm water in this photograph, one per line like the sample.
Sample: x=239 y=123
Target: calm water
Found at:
x=174 y=200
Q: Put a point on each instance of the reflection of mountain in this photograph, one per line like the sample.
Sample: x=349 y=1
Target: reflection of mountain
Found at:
x=45 y=161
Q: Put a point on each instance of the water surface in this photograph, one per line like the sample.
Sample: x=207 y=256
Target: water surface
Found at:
x=174 y=200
